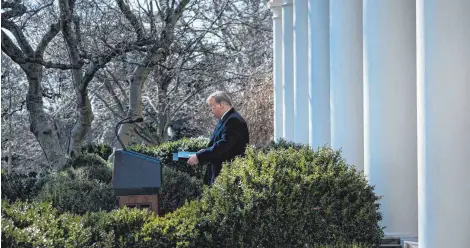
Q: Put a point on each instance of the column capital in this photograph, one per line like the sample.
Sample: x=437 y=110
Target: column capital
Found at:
x=275 y=6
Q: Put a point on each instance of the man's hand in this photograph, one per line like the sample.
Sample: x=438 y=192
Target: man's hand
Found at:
x=193 y=160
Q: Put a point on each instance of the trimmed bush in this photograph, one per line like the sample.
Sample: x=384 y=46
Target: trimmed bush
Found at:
x=18 y=186
x=33 y=224
x=91 y=166
x=40 y=225
x=74 y=192
x=292 y=198
x=165 y=153
x=102 y=150
x=118 y=228
x=178 y=187
x=283 y=144
x=185 y=227
x=280 y=197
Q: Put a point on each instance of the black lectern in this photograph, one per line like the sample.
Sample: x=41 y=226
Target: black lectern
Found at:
x=137 y=178
x=136 y=174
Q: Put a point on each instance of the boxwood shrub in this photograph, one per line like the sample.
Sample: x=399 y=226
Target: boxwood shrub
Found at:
x=85 y=167
x=282 y=144
x=33 y=224
x=77 y=193
x=292 y=198
x=23 y=186
x=178 y=187
x=102 y=150
x=82 y=185
x=91 y=165
x=278 y=197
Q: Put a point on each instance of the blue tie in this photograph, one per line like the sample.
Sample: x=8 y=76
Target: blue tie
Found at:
x=212 y=172
x=216 y=129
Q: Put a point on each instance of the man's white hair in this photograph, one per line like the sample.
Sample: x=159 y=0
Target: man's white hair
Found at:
x=220 y=97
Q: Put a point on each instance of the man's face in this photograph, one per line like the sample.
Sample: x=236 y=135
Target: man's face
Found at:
x=216 y=108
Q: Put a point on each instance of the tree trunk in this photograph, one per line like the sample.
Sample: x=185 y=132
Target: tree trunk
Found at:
x=138 y=78
x=10 y=132
x=80 y=81
x=39 y=123
x=40 y=126
x=163 y=109
x=83 y=125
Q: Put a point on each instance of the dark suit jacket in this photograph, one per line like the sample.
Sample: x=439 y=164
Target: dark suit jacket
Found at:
x=229 y=140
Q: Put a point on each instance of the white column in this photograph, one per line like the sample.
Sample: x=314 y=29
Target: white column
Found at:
x=346 y=80
x=443 y=45
x=275 y=7
x=390 y=144
x=301 y=115
x=319 y=73
x=288 y=69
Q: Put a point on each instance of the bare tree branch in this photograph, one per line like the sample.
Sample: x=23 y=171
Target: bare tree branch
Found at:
x=19 y=36
x=11 y=49
x=139 y=29
x=108 y=106
x=159 y=9
x=17 y=9
x=7 y=114
x=117 y=82
x=153 y=27
x=35 y=12
x=146 y=136
x=54 y=29
x=111 y=91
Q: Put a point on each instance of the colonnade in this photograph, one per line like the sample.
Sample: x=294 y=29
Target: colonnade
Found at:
x=388 y=83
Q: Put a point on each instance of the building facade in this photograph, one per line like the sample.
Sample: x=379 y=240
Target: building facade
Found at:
x=388 y=82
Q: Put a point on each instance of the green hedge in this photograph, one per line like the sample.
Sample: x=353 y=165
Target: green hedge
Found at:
x=178 y=187
x=33 y=224
x=282 y=144
x=292 y=198
x=82 y=185
x=19 y=186
x=165 y=153
x=102 y=150
x=77 y=194
x=91 y=165
x=277 y=197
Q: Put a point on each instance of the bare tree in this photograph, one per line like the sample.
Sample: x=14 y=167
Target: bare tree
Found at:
x=85 y=63
x=99 y=55
x=32 y=63
x=169 y=14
